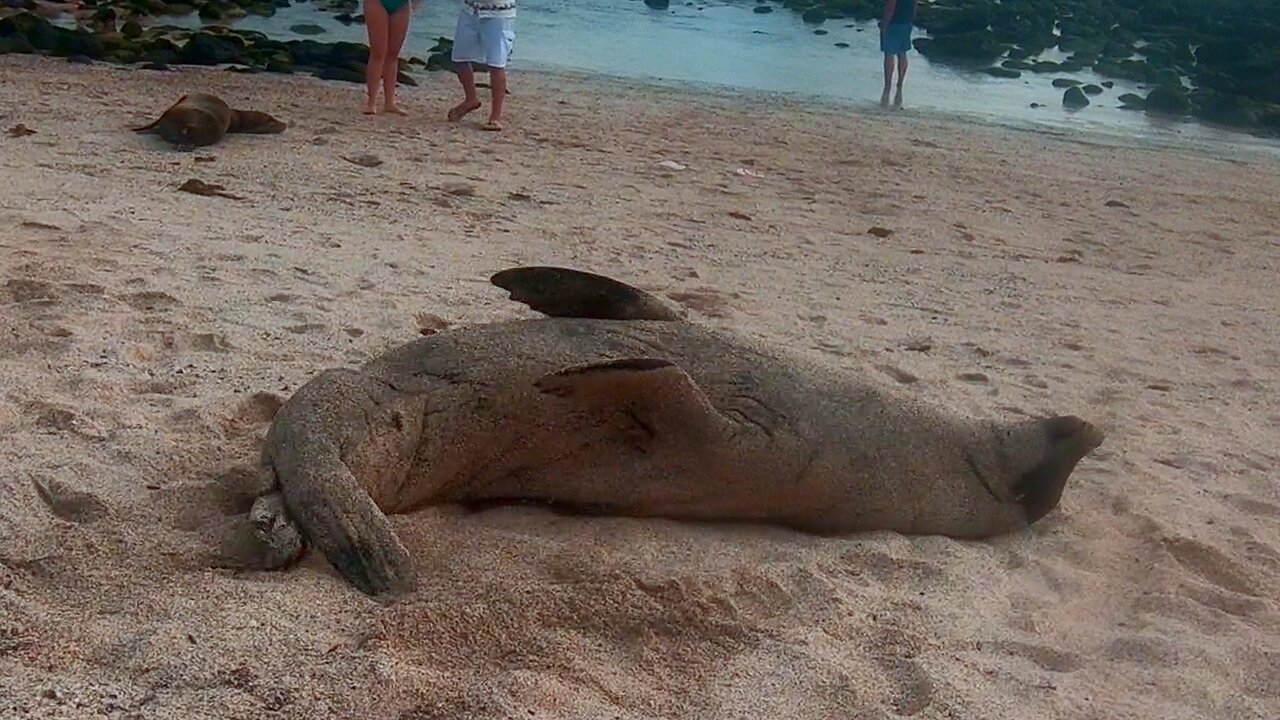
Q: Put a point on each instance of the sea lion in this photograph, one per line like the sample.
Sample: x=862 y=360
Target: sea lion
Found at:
x=614 y=404
x=200 y=119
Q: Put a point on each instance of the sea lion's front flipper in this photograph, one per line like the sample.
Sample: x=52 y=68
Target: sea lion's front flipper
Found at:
x=338 y=417
x=562 y=292
x=656 y=395
x=341 y=520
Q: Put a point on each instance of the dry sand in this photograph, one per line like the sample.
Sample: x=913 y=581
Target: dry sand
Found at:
x=147 y=335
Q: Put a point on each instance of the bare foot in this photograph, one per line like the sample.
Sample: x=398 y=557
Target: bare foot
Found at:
x=370 y=107
x=884 y=98
x=897 y=98
x=492 y=125
x=457 y=112
x=393 y=110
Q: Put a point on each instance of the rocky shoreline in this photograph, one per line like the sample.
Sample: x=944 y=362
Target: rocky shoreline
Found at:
x=1217 y=62
x=131 y=33
x=1218 y=65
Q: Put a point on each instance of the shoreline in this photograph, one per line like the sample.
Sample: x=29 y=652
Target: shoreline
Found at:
x=1204 y=134
x=148 y=335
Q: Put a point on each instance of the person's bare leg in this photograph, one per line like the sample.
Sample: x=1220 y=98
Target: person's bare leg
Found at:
x=375 y=23
x=888 y=80
x=467 y=77
x=497 y=94
x=397 y=28
x=902 y=75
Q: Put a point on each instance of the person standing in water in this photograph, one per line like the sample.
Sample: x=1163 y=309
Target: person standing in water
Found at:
x=387 y=23
x=895 y=41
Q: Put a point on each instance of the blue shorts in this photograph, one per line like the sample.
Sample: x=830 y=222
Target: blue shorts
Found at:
x=483 y=40
x=896 y=39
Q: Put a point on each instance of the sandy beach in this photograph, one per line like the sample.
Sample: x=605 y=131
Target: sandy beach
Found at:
x=147 y=335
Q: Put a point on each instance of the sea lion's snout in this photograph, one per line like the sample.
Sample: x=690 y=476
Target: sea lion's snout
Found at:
x=1067 y=439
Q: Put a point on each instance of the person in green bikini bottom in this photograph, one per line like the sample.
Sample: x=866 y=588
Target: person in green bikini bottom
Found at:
x=387 y=22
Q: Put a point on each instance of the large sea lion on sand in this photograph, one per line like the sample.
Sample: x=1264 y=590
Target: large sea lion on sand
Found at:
x=201 y=119
x=614 y=404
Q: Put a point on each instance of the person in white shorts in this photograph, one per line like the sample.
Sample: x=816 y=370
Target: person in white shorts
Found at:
x=484 y=36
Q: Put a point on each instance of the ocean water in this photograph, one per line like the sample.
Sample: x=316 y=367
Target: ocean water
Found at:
x=726 y=44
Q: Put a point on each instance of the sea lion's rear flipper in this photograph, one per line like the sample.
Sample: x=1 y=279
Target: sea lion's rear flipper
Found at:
x=562 y=292
x=152 y=125
x=656 y=395
x=1060 y=443
x=149 y=126
x=254 y=122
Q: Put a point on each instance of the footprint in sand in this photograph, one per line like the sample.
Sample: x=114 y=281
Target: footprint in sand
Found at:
x=1211 y=565
x=707 y=301
x=152 y=301
x=69 y=504
x=1042 y=656
x=1255 y=507
x=897 y=373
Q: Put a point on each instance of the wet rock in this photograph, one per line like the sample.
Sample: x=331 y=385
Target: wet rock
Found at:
x=1168 y=100
x=204 y=48
x=1074 y=97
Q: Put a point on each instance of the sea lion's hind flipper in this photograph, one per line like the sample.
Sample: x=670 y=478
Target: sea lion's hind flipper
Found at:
x=149 y=126
x=255 y=122
x=563 y=292
x=658 y=395
x=152 y=125
x=1064 y=441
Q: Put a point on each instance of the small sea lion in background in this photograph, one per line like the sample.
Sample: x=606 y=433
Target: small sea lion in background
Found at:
x=201 y=119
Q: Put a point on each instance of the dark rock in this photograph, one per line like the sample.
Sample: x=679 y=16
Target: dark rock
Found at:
x=71 y=43
x=819 y=31
x=974 y=47
x=658 y=4
x=762 y=9
x=205 y=48
x=1074 y=97
x=1002 y=72
x=306 y=29
x=1092 y=89
x=131 y=29
x=814 y=16
x=842 y=44
x=1168 y=100
x=1132 y=101
x=1065 y=82
x=341 y=74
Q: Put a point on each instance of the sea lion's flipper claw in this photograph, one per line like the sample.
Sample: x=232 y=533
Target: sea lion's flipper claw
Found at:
x=563 y=292
x=266 y=538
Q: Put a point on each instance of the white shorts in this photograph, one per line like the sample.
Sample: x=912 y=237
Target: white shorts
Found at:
x=486 y=41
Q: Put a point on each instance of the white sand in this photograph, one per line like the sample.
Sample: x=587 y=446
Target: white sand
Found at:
x=147 y=334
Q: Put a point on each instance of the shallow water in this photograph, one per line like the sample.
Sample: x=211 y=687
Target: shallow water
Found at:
x=727 y=44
